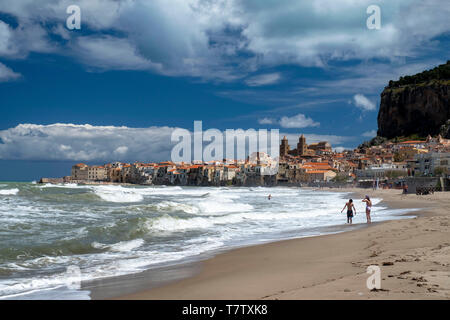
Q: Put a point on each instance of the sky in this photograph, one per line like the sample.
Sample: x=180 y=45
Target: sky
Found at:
x=136 y=70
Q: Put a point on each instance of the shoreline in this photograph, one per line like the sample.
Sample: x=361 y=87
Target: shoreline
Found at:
x=331 y=266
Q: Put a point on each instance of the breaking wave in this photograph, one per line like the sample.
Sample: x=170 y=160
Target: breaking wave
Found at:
x=9 y=192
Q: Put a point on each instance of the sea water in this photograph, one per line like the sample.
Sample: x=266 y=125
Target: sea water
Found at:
x=112 y=230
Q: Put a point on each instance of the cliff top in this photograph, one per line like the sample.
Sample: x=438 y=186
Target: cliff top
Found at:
x=440 y=73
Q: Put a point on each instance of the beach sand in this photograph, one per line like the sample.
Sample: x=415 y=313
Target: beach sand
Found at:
x=413 y=254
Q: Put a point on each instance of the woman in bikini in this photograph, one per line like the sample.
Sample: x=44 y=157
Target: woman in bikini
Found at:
x=350 y=207
x=368 y=208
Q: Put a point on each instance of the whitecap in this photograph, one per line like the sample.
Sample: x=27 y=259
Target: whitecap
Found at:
x=9 y=192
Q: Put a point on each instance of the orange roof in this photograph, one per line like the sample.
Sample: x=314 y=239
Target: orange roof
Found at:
x=316 y=171
x=412 y=141
x=80 y=165
x=316 y=163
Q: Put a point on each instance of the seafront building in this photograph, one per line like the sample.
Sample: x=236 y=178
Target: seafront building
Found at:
x=314 y=163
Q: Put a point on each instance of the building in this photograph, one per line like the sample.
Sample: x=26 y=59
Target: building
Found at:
x=320 y=146
x=320 y=175
x=428 y=163
x=302 y=147
x=383 y=171
x=284 y=147
x=79 y=172
x=97 y=173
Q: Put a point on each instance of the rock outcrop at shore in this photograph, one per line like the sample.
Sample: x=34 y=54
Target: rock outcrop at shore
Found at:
x=416 y=105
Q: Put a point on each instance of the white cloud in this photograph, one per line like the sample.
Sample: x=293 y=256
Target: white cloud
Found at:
x=224 y=39
x=84 y=142
x=266 y=121
x=6 y=74
x=363 y=102
x=339 y=149
x=121 y=150
x=370 y=134
x=298 y=121
x=263 y=79
x=111 y=53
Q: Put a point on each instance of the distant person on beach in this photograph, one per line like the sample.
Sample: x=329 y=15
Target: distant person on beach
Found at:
x=350 y=208
x=368 y=208
x=269 y=197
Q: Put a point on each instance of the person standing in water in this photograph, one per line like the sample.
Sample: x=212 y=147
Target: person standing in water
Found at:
x=269 y=197
x=368 y=208
x=350 y=208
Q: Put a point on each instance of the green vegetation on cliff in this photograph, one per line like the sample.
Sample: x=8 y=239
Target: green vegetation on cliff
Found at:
x=439 y=73
x=380 y=140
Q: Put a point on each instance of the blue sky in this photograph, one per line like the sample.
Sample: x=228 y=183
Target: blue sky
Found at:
x=138 y=69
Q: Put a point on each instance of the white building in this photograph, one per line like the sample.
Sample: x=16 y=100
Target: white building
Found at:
x=427 y=163
x=381 y=171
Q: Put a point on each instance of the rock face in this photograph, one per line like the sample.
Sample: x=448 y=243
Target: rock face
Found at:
x=445 y=130
x=420 y=109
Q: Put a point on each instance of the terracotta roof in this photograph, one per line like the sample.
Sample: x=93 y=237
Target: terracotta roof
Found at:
x=316 y=171
x=412 y=141
x=80 y=165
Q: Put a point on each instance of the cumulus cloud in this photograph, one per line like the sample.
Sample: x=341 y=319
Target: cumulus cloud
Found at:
x=263 y=79
x=223 y=39
x=84 y=142
x=362 y=102
x=370 y=134
x=109 y=53
x=6 y=74
x=339 y=149
x=73 y=142
x=298 y=121
x=266 y=121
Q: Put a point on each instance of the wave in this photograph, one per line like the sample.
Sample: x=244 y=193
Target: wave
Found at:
x=175 y=206
x=9 y=192
x=117 y=194
x=123 y=246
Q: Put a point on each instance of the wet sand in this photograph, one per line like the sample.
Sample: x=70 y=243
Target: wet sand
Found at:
x=413 y=254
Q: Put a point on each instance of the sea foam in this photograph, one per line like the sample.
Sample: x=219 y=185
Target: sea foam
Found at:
x=9 y=192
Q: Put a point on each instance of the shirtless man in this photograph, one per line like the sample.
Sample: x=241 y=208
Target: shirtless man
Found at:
x=368 y=208
x=350 y=208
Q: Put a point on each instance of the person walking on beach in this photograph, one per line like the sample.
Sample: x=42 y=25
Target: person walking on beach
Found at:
x=350 y=208
x=368 y=208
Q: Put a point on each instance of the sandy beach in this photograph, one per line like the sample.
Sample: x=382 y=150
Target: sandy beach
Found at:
x=413 y=254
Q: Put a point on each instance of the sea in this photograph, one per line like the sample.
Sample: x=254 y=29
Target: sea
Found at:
x=53 y=238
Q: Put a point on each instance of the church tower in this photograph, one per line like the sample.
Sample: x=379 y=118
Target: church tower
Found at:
x=284 y=147
x=301 y=146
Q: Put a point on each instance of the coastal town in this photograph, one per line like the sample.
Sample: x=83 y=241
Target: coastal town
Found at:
x=307 y=164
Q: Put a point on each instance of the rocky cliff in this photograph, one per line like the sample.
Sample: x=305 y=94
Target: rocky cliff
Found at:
x=416 y=105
